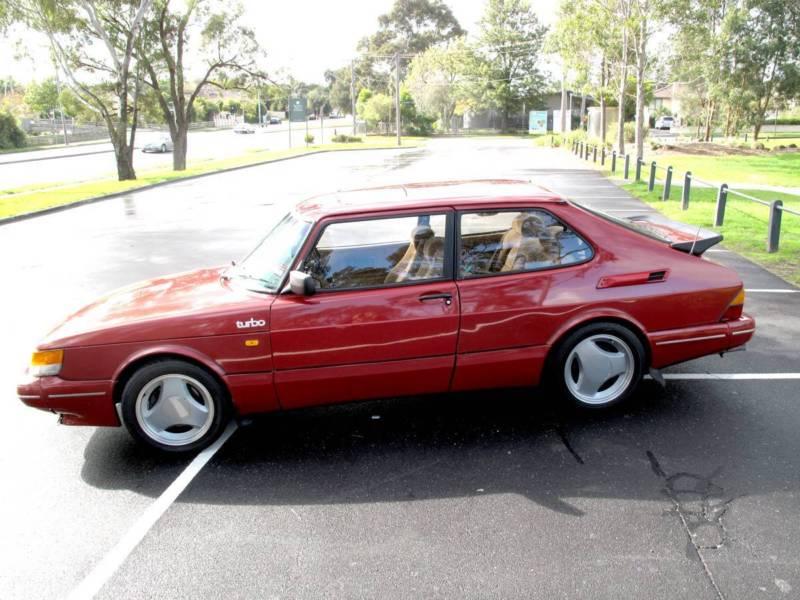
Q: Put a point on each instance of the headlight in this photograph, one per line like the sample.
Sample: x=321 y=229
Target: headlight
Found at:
x=45 y=363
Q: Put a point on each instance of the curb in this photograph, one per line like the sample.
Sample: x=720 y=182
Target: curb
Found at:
x=41 y=158
x=55 y=209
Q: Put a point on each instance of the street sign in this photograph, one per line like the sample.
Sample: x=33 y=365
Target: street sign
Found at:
x=297 y=109
x=537 y=121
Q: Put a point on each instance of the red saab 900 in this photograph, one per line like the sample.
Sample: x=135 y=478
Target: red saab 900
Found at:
x=395 y=291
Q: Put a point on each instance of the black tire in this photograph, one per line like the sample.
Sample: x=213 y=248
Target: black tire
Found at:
x=151 y=372
x=163 y=148
x=621 y=387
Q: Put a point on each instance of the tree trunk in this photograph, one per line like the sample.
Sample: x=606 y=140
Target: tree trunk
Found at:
x=709 y=121
x=583 y=110
x=124 y=156
x=179 y=146
x=622 y=81
x=603 y=101
x=756 y=130
x=641 y=62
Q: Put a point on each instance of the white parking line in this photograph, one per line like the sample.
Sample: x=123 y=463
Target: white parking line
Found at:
x=108 y=565
x=731 y=376
x=766 y=291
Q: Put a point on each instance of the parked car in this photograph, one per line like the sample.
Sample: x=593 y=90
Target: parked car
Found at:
x=160 y=144
x=395 y=291
x=244 y=128
x=665 y=123
x=274 y=121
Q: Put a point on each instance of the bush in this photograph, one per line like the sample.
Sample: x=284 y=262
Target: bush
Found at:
x=11 y=136
x=309 y=139
x=345 y=139
x=758 y=146
x=792 y=146
x=630 y=133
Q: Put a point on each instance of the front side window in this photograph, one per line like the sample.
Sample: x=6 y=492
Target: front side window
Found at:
x=379 y=252
x=514 y=241
x=265 y=267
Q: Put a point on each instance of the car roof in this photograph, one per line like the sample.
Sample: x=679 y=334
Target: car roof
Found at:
x=437 y=194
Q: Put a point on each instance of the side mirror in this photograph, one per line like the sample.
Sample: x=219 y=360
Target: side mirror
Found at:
x=302 y=284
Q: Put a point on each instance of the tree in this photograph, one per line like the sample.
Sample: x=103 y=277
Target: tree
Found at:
x=765 y=53
x=94 y=41
x=511 y=40
x=375 y=108
x=226 y=46
x=339 y=90
x=42 y=97
x=587 y=38
x=410 y=27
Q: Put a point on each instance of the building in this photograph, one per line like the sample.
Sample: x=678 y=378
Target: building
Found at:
x=669 y=98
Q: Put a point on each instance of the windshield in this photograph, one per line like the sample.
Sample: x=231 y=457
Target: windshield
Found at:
x=264 y=268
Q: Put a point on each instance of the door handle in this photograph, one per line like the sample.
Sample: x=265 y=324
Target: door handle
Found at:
x=446 y=296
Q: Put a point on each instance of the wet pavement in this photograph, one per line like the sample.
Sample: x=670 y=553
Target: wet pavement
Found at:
x=687 y=492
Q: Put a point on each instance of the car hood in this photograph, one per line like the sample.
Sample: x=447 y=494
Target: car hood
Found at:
x=194 y=304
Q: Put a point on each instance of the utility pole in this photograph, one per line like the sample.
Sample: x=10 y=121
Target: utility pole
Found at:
x=289 y=115
x=61 y=108
x=397 y=94
x=353 y=97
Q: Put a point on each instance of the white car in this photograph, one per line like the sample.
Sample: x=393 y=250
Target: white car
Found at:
x=665 y=123
x=160 y=144
x=244 y=128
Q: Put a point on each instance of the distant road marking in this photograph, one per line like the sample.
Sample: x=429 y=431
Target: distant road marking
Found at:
x=730 y=376
x=108 y=565
x=767 y=291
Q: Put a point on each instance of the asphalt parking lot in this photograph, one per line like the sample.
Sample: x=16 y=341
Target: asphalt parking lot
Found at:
x=689 y=491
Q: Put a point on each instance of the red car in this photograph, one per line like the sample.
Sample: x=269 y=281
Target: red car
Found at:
x=395 y=291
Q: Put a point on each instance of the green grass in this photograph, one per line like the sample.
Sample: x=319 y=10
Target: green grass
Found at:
x=745 y=225
x=778 y=169
x=33 y=198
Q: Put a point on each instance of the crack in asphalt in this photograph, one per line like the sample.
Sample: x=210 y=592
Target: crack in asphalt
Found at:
x=568 y=446
x=699 y=504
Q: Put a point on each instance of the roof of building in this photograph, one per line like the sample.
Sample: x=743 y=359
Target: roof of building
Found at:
x=438 y=194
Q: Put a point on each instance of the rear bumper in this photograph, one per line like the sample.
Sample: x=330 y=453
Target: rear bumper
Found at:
x=679 y=345
x=75 y=402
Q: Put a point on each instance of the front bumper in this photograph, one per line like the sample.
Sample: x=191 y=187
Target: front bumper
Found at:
x=679 y=345
x=75 y=402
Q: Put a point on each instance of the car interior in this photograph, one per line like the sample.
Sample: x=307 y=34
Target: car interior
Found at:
x=363 y=254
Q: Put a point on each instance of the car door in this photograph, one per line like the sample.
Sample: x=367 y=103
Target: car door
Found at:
x=516 y=271
x=384 y=321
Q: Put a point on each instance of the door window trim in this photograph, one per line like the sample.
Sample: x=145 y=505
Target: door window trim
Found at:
x=449 y=259
x=475 y=210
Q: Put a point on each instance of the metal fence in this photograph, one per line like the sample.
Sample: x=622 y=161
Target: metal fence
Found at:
x=776 y=207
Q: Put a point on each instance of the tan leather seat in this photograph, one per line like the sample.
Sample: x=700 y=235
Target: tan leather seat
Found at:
x=524 y=225
x=540 y=249
x=409 y=264
x=433 y=259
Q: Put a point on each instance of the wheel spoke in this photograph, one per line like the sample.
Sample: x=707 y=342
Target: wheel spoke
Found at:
x=594 y=369
x=175 y=406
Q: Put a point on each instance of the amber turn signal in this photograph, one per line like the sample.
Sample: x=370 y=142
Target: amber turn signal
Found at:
x=46 y=363
x=734 y=310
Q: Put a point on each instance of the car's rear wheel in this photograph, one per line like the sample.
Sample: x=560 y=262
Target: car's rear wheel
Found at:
x=163 y=148
x=599 y=365
x=174 y=406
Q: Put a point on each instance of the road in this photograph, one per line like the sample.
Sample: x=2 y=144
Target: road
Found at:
x=86 y=162
x=687 y=492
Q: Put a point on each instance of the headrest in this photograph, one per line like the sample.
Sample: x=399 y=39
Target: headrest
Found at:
x=527 y=225
x=421 y=233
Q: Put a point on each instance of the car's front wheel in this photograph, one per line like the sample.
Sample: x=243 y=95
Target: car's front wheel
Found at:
x=163 y=148
x=599 y=365
x=174 y=406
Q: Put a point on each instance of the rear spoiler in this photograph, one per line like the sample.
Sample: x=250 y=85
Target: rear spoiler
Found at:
x=683 y=237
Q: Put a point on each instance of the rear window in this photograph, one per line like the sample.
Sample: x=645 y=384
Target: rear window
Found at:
x=645 y=228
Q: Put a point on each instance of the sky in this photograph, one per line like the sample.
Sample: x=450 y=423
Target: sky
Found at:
x=301 y=39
